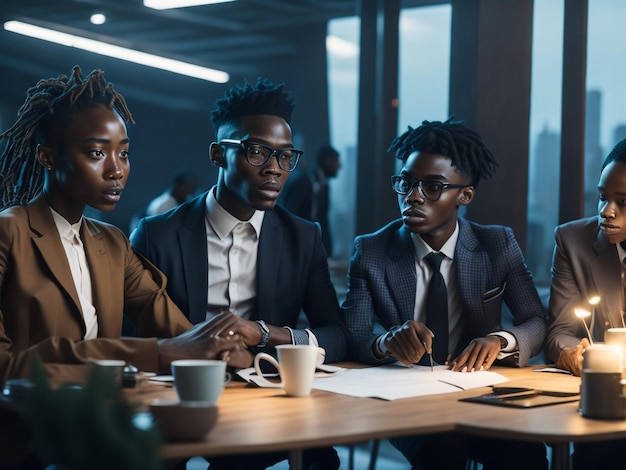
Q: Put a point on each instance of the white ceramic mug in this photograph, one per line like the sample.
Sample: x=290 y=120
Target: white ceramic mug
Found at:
x=199 y=380
x=296 y=366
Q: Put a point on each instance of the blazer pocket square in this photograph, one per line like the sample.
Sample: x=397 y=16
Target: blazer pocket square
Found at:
x=494 y=293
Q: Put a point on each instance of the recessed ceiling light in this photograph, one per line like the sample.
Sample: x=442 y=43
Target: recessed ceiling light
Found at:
x=98 y=18
x=167 y=4
x=117 y=52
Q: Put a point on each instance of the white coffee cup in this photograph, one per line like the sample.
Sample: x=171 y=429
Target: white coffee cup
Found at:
x=296 y=367
x=199 y=380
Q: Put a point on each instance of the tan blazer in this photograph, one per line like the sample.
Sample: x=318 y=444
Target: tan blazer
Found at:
x=40 y=313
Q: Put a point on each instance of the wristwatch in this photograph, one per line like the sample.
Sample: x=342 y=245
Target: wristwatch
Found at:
x=265 y=334
x=503 y=342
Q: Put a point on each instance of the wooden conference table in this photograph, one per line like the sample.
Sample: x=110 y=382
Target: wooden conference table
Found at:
x=253 y=420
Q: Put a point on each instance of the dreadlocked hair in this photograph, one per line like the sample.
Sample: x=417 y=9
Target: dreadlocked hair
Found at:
x=48 y=106
x=453 y=139
x=246 y=100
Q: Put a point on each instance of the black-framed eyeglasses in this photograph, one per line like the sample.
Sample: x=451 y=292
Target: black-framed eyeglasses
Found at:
x=428 y=189
x=259 y=154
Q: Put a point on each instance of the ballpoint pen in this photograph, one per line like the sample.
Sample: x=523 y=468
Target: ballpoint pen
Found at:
x=430 y=357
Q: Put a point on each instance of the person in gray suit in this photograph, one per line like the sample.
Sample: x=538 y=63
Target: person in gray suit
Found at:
x=233 y=256
x=482 y=267
x=589 y=262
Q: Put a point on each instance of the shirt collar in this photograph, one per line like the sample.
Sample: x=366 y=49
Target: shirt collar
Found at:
x=621 y=251
x=422 y=248
x=223 y=223
x=66 y=230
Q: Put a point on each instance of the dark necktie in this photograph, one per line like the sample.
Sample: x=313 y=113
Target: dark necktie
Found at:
x=437 y=308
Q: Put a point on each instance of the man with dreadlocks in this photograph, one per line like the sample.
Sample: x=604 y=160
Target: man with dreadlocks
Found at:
x=481 y=266
x=233 y=256
x=67 y=280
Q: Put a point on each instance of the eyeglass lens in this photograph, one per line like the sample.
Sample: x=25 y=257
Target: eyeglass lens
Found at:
x=259 y=155
x=430 y=190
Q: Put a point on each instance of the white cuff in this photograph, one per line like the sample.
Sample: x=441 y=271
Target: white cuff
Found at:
x=511 y=341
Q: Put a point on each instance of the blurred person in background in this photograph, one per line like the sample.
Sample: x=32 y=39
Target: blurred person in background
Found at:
x=307 y=193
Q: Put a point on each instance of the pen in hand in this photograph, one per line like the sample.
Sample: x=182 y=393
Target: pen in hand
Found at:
x=430 y=357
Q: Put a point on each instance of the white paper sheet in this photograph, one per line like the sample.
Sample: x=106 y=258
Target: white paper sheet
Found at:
x=392 y=382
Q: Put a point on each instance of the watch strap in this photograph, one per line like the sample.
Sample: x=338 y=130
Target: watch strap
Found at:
x=265 y=333
x=503 y=341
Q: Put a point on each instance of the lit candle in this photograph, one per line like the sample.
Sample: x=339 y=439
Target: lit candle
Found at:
x=617 y=337
x=582 y=314
x=602 y=358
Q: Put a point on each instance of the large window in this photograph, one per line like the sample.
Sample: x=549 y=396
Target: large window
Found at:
x=606 y=96
x=605 y=120
x=343 y=94
x=545 y=136
x=424 y=70
x=424 y=65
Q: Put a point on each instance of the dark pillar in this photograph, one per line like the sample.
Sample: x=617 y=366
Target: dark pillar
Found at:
x=571 y=197
x=490 y=74
x=378 y=113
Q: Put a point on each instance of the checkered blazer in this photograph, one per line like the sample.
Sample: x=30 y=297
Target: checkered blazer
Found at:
x=490 y=269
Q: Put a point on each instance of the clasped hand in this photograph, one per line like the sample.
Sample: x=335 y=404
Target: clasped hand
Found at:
x=572 y=358
x=227 y=323
x=224 y=337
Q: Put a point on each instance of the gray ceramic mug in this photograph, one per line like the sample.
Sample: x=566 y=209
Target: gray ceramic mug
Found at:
x=199 y=380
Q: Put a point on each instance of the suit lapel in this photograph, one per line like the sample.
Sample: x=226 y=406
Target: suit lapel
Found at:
x=195 y=268
x=607 y=276
x=400 y=274
x=47 y=242
x=469 y=260
x=101 y=272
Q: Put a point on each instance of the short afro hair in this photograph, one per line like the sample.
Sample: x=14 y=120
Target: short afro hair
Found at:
x=264 y=97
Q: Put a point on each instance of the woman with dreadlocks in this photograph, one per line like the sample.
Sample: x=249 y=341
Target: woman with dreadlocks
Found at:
x=477 y=268
x=67 y=280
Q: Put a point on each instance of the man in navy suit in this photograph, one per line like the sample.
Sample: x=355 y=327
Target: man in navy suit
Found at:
x=233 y=256
x=481 y=266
